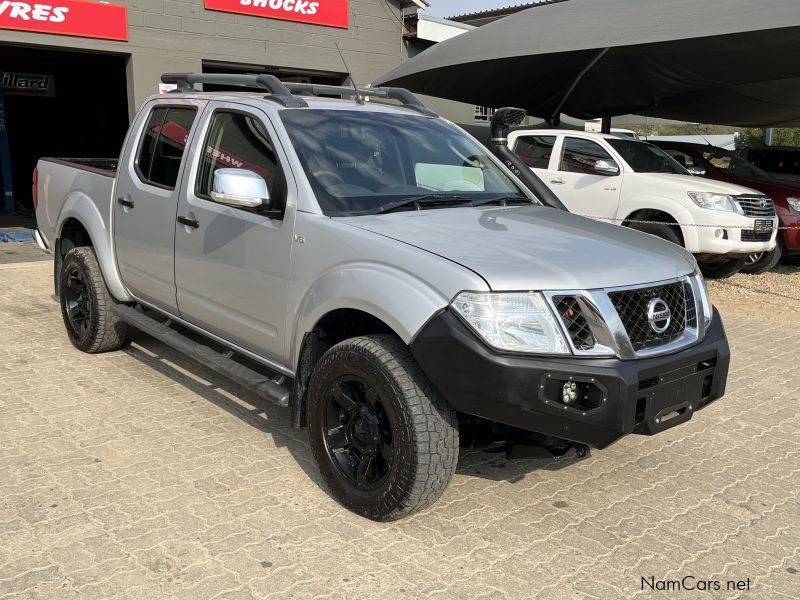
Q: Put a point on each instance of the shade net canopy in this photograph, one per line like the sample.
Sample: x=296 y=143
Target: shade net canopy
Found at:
x=731 y=62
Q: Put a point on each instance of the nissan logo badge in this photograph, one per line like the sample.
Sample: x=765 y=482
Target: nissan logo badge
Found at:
x=659 y=315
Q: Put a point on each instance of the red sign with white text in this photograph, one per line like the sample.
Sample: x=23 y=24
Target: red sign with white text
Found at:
x=66 y=17
x=331 y=13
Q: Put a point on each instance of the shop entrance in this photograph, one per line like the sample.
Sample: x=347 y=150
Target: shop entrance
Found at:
x=60 y=103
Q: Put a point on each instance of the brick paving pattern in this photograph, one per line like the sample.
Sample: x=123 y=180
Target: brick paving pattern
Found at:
x=140 y=475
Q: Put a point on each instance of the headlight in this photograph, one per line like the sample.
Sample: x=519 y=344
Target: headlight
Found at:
x=715 y=201
x=513 y=322
x=705 y=301
x=794 y=203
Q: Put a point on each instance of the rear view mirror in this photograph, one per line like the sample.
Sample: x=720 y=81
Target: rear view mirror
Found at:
x=606 y=167
x=241 y=188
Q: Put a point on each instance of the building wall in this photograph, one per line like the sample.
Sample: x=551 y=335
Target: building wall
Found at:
x=177 y=35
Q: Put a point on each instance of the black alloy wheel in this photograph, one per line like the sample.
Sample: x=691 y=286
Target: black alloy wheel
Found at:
x=359 y=435
x=76 y=300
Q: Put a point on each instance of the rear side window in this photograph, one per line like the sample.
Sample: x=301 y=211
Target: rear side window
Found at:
x=163 y=145
x=535 y=150
x=580 y=156
x=237 y=141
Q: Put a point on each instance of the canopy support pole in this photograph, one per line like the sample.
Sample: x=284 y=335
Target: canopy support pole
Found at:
x=556 y=118
x=605 y=126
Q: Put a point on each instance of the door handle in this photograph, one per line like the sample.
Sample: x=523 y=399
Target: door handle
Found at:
x=557 y=181
x=125 y=202
x=188 y=222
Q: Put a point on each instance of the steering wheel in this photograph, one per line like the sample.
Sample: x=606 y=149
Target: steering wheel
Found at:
x=330 y=174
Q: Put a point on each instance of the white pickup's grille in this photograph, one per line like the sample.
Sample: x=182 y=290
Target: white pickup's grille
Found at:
x=756 y=206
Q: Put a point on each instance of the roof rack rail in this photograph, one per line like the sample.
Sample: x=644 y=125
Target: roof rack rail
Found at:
x=402 y=95
x=278 y=92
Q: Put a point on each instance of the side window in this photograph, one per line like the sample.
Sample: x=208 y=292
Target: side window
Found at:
x=535 y=150
x=163 y=144
x=684 y=159
x=239 y=141
x=580 y=156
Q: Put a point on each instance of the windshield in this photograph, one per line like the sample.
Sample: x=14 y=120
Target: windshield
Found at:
x=733 y=165
x=646 y=158
x=360 y=163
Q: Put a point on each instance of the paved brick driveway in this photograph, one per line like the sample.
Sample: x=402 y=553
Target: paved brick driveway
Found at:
x=139 y=475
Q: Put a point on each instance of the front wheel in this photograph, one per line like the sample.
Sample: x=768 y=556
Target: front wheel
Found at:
x=761 y=262
x=87 y=307
x=721 y=268
x=385 y=442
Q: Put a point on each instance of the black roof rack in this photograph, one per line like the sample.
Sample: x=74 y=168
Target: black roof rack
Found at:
x=278 y=91
x=402 y=95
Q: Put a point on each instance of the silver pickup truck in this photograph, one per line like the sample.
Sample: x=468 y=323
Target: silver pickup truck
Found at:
x=374 y=269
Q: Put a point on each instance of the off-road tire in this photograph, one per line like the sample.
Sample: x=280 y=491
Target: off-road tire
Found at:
x=424 y=427
x=766 y=262
x=721 y=269
x=104 y=330
x=660 y=230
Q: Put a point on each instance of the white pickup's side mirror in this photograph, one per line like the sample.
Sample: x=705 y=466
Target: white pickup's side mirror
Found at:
x=606 y=167
x=240 y=187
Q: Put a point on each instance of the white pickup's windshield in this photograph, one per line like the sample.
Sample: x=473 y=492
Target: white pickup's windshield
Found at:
x=366 y=163
x=646 y=158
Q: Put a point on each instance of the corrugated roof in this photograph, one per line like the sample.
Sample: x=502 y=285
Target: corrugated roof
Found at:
x=503 y=10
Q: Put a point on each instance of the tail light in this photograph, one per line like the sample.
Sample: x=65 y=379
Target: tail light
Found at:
x=35 y=190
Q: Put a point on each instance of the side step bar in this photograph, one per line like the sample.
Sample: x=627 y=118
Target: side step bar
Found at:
x=254 y=381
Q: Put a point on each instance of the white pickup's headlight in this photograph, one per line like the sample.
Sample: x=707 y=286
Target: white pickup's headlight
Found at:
x=794 y=204
x=705 y=301
x=514 y=322
x=714 y=201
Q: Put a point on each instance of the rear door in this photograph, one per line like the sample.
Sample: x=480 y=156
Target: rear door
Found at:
x=146 y=200
x=536 y=152
x=232 y=264
x=579 y=184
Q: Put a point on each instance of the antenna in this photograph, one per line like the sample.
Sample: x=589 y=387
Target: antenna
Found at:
x=359 y=99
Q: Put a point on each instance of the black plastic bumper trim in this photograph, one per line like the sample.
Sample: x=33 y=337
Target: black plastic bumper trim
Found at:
x=643 y=396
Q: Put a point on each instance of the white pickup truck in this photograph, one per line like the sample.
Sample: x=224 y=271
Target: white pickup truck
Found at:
x=634 y=183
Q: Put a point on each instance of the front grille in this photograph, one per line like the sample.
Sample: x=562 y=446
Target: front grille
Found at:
x=632 y=308
x=750 y=235
x=752 y=206
x=571 y=315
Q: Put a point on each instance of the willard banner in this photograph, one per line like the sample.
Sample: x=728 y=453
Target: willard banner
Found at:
x=331 y=13
x=66 y=17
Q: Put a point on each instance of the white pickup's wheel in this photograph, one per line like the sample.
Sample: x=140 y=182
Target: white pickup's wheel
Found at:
x=761 y=262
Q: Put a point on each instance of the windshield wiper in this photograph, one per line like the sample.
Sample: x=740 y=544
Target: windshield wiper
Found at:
x=504 y=201
x=428 y=201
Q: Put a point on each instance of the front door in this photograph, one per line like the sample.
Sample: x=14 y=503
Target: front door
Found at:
x=232 y=264
x=146 y=199
x=575 y=176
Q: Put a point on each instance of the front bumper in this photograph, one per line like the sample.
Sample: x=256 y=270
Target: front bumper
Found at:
x=728 y=240
x=643 y=396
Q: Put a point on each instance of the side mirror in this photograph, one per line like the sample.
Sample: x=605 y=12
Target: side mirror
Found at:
x=241 y=188
x=697 y=171
x=606 y=167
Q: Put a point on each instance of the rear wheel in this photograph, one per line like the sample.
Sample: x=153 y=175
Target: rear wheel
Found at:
x=660 y=230
x=721 y=268
x=384 y=441
x=86 y=305
x=762 y=262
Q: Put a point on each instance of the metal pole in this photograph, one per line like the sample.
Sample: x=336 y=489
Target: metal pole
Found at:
x=769 y=136
x=605 y=126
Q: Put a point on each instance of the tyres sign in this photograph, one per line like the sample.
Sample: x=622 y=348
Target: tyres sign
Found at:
x=66 y=17
x=330 y=13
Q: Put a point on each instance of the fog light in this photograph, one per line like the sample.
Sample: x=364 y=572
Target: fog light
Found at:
x=569 y=393
x=718 y=234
